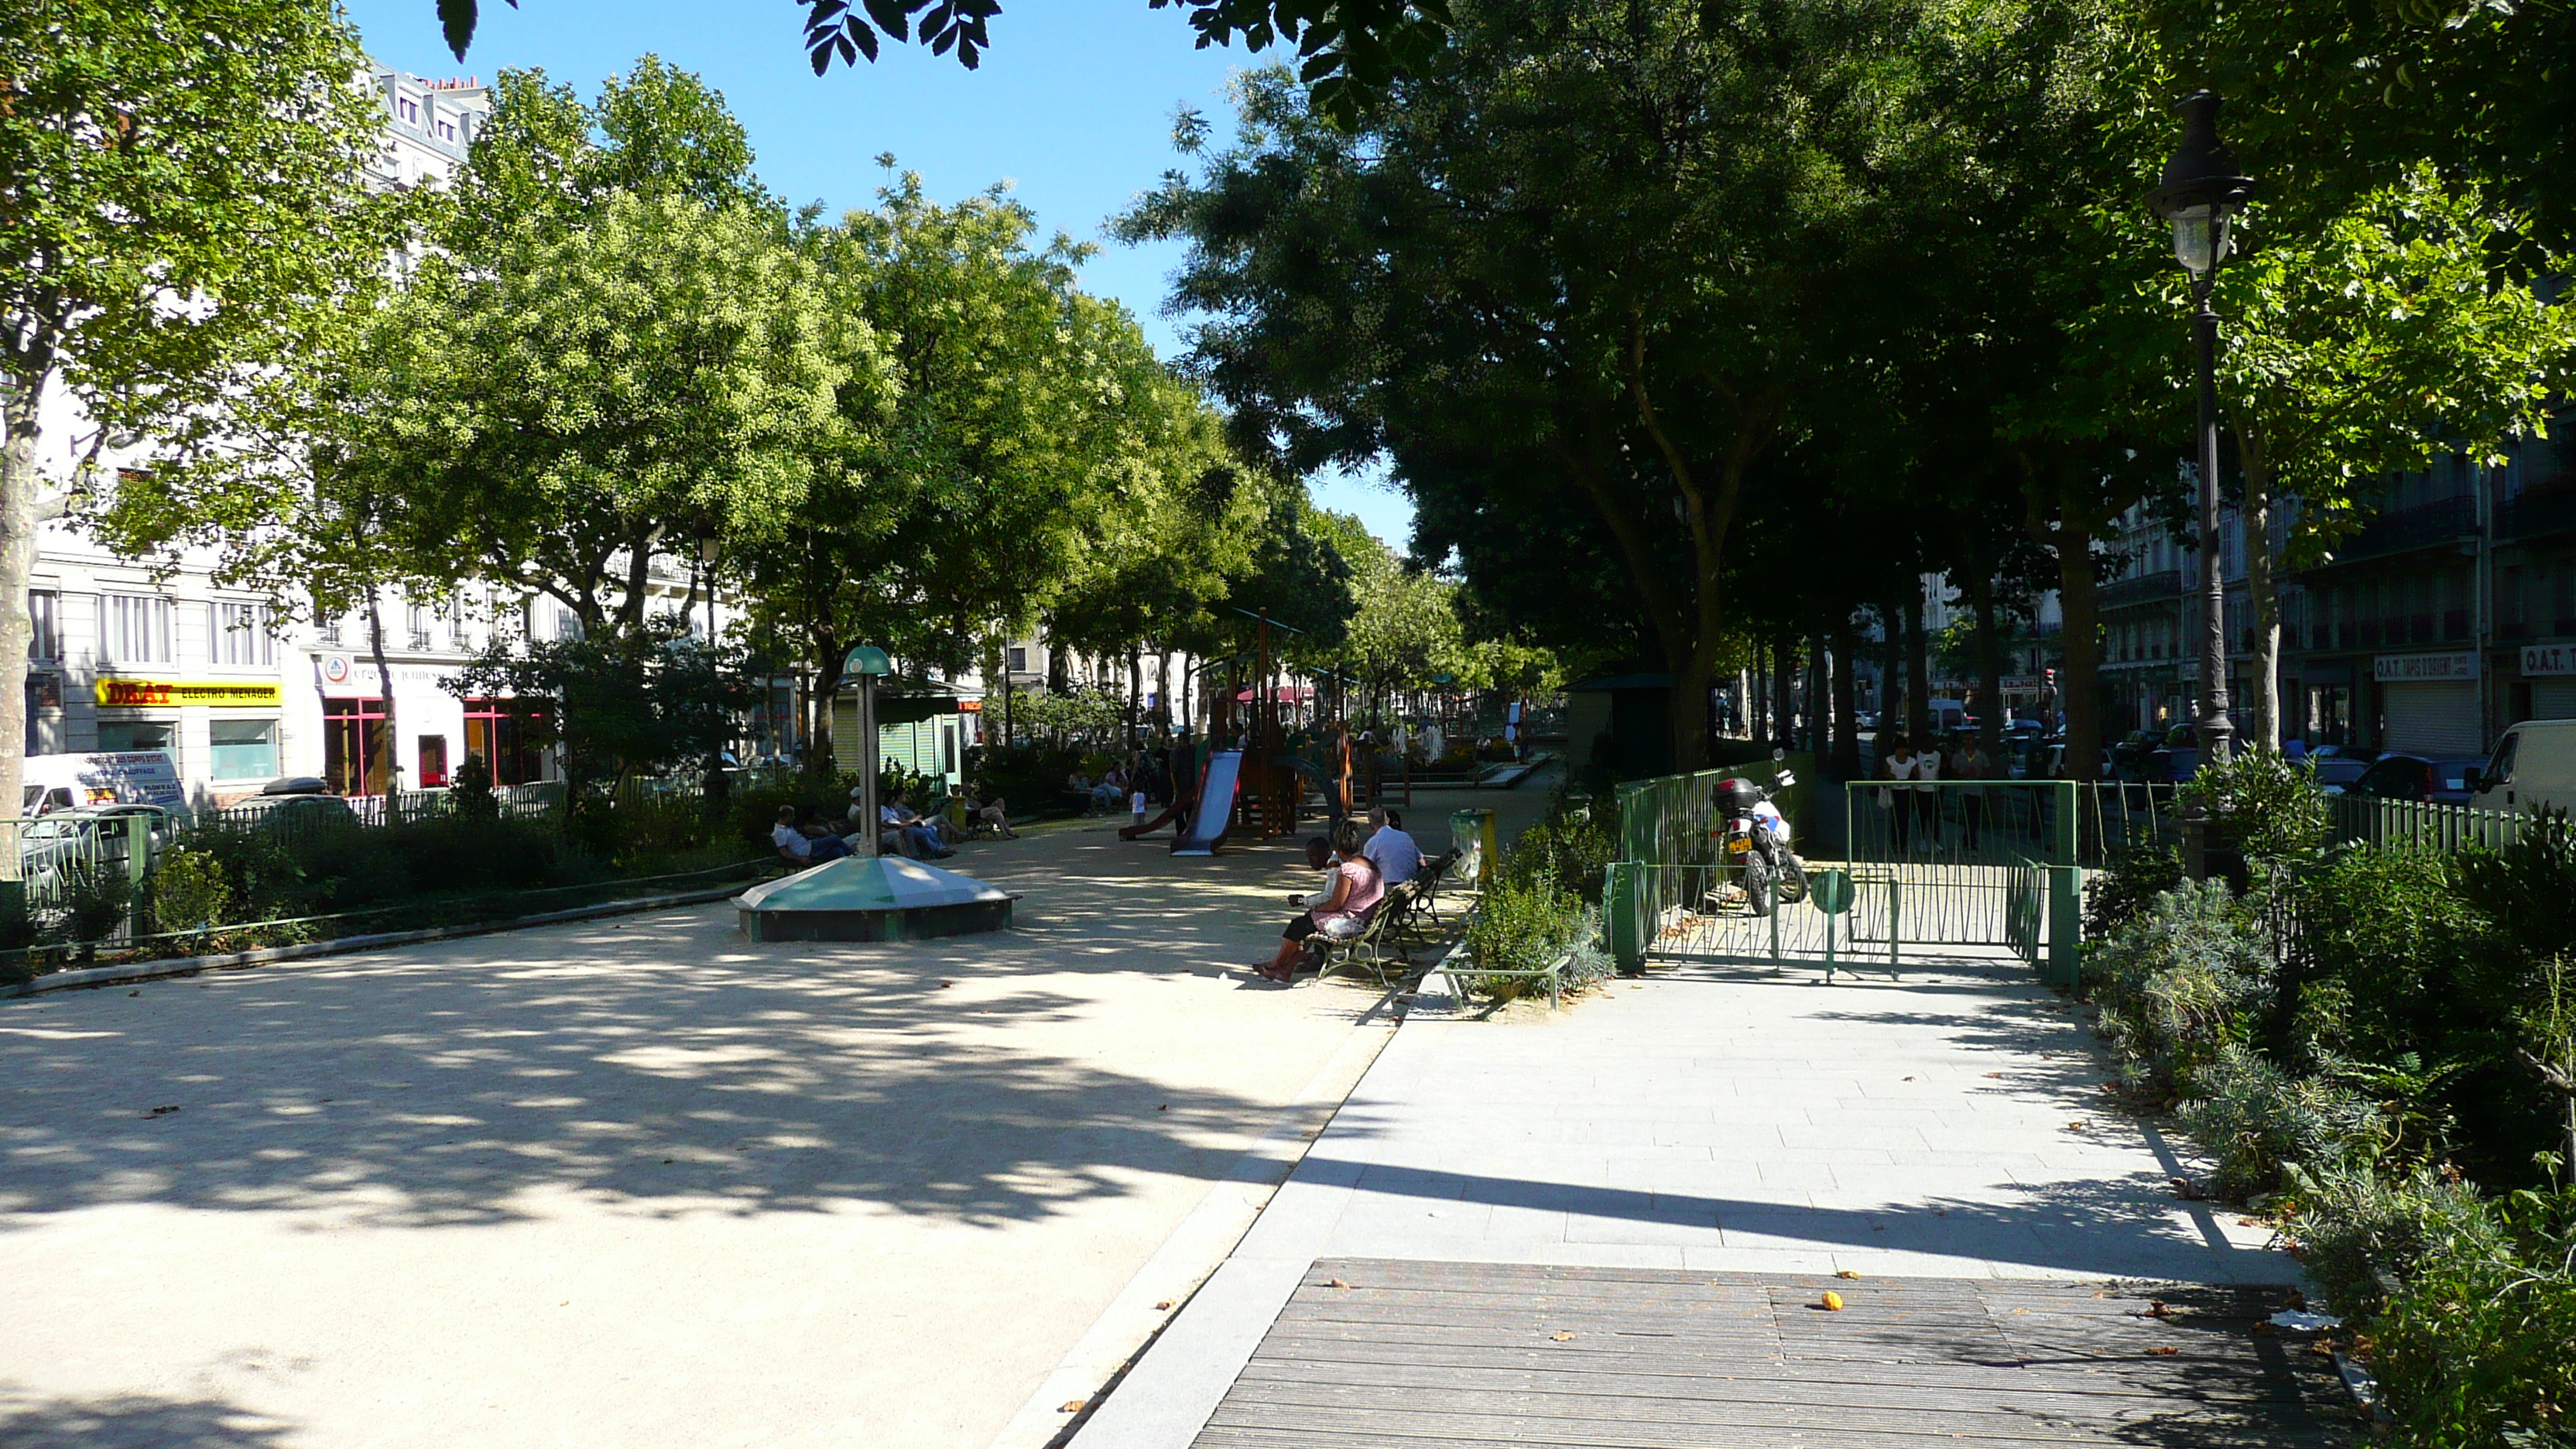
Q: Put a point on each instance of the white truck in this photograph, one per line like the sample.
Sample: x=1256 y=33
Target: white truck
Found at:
x=2533 y=767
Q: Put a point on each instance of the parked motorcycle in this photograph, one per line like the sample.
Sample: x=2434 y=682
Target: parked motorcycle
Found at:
x=1755 y=838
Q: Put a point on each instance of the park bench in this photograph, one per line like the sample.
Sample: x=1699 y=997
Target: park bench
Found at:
x=1379 y=942
x=1427 y=880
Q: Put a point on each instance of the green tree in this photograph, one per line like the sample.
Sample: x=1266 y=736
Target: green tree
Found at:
x=2390 y=336
x=1612 y=251
x=179 y=196
x=589 y=399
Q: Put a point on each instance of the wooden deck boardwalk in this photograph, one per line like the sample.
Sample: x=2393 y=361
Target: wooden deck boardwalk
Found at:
x=1425 y=1355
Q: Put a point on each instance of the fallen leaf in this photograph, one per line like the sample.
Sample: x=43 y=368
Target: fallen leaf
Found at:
x=945 y=984
x=1164 y=1307
x=1562 y=1337
x=2164 y=1352
x=1069 y=1406
x=1164 y=1108
x=1336 y=1283
x=1845 y=1273
x=1909 y=1079
x=161 y=1111
x=2249 y=1222
x=1833 y=1301
x=134 y=993
x=1994 y=1074
x=2079 y=1126
x=2156 y=1309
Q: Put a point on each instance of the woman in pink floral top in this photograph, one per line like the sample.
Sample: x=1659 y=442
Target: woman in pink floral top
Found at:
x=1356 y=891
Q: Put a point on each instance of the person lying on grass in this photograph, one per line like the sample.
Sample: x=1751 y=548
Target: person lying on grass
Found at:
x=1344 y=913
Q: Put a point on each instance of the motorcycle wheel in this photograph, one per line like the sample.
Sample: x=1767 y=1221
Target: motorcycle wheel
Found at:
x=1793 y=880
x=1757 y=885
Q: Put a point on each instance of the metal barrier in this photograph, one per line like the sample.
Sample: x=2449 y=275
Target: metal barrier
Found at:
x=2365 y=820
x=58 y=858
x=1963 y=863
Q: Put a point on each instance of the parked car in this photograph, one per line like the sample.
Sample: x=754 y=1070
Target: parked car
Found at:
x=2534 y=768
x=2129 y=756
x=293 y=806
x=2421 y=779
x=2338 y=766
x=2177 y=758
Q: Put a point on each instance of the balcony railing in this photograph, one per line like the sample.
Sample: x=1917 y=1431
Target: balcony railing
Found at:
x=2143 y=589
x=2425 y=526
x=2536 y=514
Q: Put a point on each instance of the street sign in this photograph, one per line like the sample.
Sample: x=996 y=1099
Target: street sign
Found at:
x=1831 y=890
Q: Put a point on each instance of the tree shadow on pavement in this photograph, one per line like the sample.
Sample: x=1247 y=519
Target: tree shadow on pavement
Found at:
x=662 y=1063
x=135 y=1421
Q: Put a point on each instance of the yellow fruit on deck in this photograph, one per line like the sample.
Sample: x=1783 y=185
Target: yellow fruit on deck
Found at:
x=1833 y=1301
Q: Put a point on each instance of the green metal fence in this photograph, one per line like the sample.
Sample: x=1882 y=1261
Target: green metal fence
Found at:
x=1994 y=863
x=2362 y=820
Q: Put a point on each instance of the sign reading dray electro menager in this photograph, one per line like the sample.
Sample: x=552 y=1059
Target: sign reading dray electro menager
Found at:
x=2424 y=668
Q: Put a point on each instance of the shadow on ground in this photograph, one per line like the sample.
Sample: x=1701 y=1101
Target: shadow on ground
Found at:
x=663 y=1062
x=135 y=1421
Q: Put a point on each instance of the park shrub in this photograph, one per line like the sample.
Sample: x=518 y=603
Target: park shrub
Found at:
x=190 y=890
x=1519 y=926
x=2257 y=1119
x=2478 y=1346
x=1029 y=777
x=2260 y=803
x=2359 y=1228
x=1568 y=850
x=2138 y=874
x=2179 y=983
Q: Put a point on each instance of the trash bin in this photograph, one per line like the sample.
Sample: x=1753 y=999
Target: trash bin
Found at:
x=1471 y=834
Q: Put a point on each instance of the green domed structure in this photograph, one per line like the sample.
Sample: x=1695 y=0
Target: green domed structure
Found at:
x=863 y=898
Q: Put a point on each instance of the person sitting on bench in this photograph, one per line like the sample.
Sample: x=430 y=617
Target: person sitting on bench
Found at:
x=805 y=847
x=1392 y=851
x=1356 y=892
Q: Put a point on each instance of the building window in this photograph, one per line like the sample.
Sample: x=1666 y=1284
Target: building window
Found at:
x=116 y=736
x=45 y=608
x=135 y=628
x=241 y=636
x=242 y=749
x=1019 y=660
x=408 y=109
x=496 y=732
x=567 y=624
x=433 y=762
x=447 y=130
x=419 y=627
x=353 y=746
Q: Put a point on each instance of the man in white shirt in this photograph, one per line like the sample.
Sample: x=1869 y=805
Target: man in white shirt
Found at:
x=1392 y=851
x=796 y=844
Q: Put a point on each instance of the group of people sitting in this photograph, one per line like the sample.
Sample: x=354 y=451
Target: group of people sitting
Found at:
x=901 y=830
x=1362 y=864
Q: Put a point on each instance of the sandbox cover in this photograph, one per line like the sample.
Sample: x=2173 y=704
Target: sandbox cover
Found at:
x=888 y=898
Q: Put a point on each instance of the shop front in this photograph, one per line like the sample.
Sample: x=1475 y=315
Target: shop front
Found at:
x=2547 y=689
x=2428 y=703
x=222 y=735
x=362 y=751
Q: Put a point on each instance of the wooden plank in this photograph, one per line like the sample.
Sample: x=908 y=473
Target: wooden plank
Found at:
x=1411 y=1355
x=1933 y=1390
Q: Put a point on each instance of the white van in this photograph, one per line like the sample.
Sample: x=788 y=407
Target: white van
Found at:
x=123 y=777
x=2534 y=766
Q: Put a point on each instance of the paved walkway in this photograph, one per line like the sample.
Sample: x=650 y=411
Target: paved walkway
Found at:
x=637 y=1182
x=1949 y=1126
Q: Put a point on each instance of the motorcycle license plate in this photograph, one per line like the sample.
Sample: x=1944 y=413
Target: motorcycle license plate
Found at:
x=1739 y=846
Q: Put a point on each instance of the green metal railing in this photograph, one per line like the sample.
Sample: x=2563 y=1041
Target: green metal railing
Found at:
x=1963 y=863
x=2364 y=820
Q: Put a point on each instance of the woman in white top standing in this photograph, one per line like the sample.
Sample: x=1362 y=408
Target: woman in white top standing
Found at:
x=1927 y=795
x=1899 y=766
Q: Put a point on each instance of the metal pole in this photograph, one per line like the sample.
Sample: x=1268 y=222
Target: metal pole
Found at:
x=2214 y=731
x=868 y=807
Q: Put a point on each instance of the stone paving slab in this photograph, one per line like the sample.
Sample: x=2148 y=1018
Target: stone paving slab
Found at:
x=1951 y=1126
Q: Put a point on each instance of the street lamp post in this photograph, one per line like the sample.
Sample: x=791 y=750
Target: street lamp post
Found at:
x=2201 y=193
x=867 y=664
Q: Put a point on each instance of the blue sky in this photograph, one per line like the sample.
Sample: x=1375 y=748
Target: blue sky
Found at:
x=1073 y=105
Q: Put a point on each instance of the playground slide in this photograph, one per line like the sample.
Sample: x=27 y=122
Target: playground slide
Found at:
x=1216 y=804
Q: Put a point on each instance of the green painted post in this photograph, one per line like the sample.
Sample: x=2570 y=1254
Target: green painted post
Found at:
x=1627 y=934
x=138 y=861
x=1775 y=925
x=2065 y=896
x=1895 y=915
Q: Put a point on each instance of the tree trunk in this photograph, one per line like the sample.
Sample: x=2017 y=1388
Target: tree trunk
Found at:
x=1846 y=761
x=385 y=688
x=18 y=481
x=2080 y=691
x=1990 y=664
x=1918 y=670
x=2260 y=594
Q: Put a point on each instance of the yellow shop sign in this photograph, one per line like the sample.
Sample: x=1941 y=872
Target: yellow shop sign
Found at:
x=165 y=693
